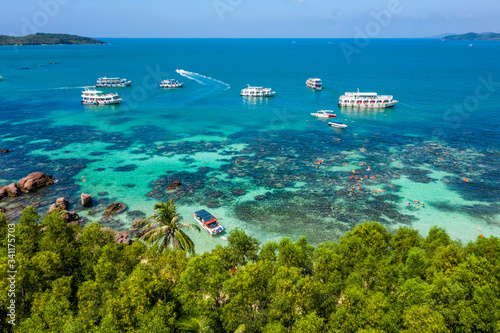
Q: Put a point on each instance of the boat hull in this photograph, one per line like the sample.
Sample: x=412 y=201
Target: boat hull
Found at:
x=314 y=87
x=337 y=125
x=170 y=87
x=99 y=103
x=108 y=103
x=247 y=95
x=368 y=105
x=323 y=116
x=113 y=85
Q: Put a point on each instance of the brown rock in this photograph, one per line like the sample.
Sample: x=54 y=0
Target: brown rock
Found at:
x=74 y=223
x=9 y=190
x=174 y=185
x=34 y=181
x=137 y=223
x=86 y=200
x=62 y=203
x=71 y=217
x=121 y=237
x=12 y=190
x=51 y=209
x=115 y=208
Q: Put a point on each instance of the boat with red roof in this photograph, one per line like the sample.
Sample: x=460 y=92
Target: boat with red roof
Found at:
x=208 y=222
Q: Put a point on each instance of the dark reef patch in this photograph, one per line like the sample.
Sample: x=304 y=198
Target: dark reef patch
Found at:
x=126 y=168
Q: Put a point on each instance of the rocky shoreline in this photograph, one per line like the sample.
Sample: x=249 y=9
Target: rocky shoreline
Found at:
x=36 y=181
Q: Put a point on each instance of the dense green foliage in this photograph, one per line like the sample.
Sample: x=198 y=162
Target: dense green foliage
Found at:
x=474 y=36
x=71 y=279
x=47 y=39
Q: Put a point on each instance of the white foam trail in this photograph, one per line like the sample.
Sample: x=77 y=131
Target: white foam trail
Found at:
x=407 y=105
x=59 y=88
x=224 y=238
x=192 y=76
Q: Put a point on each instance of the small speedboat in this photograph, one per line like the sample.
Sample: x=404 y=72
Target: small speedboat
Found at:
x=337 y=124
x=171 y=83
x=208 y=222
x=324 y=114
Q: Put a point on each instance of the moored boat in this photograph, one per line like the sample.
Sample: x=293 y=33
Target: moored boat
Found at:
x=92 y=96
x=112 y=82
x=171 y=83
x=316 y=84
x=366 y=100
x=208 y=222
x=337 y=124
x=324 y=114
x=257 y=92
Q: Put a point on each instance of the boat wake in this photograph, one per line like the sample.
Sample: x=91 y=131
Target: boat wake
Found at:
x=407 y=105
x=201 y=79
x=59 y=88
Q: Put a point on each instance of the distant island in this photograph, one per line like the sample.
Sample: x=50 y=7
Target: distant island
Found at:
x=47 y=39
x=474 y=36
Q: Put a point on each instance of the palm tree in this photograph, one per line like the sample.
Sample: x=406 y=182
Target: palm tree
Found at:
x=164 y=228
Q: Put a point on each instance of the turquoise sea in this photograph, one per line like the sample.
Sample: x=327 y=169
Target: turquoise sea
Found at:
x=443 y=131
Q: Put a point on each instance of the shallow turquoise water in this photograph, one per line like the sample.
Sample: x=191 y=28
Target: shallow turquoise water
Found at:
x=214 y=141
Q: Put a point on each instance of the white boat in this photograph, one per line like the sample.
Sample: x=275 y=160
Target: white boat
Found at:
x=315 y=84
x=112 y=82
x=208 y=222
x=257 y=92
x=92 y=96
x=324 y=114
x=337 y=124
x=366 y=100
x=171 y=84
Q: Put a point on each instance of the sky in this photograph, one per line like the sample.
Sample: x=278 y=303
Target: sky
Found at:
x=249 y=18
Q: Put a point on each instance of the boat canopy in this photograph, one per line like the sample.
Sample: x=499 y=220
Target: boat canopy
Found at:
x=205 y=216
x=361 y=94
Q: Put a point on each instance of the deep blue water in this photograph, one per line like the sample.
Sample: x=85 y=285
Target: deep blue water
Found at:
x=444 y=129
